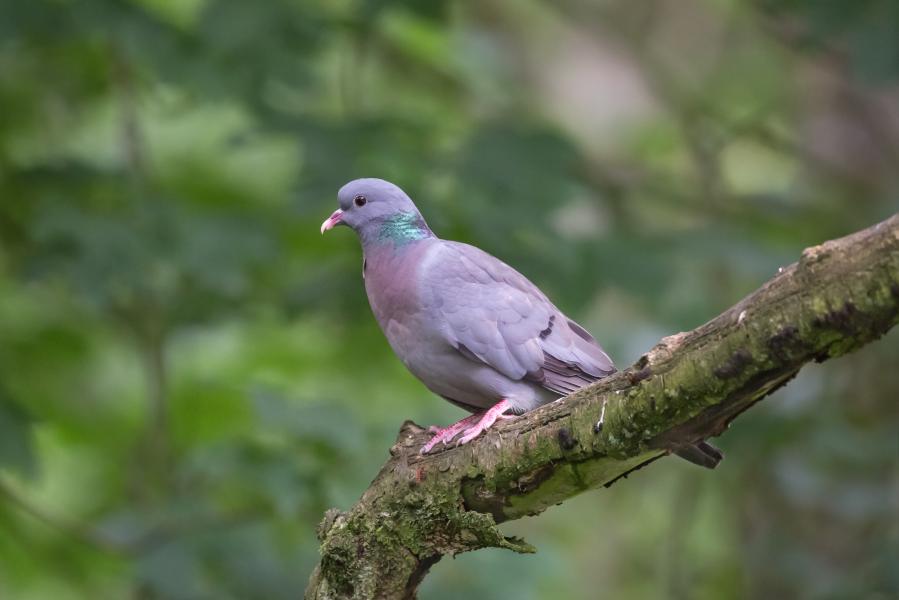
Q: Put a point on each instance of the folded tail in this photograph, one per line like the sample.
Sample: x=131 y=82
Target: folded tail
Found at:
x=701 y=453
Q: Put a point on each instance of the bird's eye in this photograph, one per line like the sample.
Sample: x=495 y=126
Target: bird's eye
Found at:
x=360 y=200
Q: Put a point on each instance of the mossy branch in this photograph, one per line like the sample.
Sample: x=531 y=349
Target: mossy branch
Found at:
x=840 y=296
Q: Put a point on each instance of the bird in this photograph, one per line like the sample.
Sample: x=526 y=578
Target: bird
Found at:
x=471 y=328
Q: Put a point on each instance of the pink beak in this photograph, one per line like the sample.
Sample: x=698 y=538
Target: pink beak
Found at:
x=332 y=221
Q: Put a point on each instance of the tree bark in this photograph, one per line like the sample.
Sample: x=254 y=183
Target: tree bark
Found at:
x=840 y=296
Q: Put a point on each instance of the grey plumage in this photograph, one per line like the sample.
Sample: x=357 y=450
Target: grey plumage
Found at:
x=473 y=329
x=491 y=314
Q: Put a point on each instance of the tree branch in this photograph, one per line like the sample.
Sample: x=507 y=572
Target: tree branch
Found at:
x=838 y=297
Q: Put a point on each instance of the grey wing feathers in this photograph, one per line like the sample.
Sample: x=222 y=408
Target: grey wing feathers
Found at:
x=493 y=314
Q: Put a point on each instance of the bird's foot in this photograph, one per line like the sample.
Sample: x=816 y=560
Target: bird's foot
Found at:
x=487 y=419
x=447 y=434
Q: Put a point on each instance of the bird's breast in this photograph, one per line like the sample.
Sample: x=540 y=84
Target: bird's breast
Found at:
x=391 y=285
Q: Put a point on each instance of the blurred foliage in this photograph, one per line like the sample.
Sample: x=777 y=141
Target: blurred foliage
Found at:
x=189 y=373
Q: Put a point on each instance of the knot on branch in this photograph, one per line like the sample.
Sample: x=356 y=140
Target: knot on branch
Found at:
x=734 y=365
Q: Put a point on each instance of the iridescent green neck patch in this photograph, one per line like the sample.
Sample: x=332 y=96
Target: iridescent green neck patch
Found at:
x=403 y=228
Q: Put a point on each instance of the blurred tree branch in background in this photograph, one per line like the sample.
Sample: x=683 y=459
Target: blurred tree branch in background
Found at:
x=841 y=295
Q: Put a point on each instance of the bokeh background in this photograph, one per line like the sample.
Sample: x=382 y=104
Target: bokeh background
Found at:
x=190 y=374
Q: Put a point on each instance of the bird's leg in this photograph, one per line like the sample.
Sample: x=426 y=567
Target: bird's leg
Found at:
x=446 y=434
x=487 y=419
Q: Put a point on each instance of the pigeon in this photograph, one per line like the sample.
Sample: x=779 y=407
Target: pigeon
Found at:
x=471 y=328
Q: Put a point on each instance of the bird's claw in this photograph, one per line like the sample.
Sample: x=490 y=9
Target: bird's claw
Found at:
x=480 y=423
x=497 y=411
x=447 y=434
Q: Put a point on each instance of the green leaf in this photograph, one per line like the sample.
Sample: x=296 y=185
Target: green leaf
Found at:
x=16 y=443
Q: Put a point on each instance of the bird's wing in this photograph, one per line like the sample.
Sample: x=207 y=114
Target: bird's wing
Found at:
x=491 y=313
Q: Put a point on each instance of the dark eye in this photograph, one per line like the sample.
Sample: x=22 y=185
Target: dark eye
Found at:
x=360 y=200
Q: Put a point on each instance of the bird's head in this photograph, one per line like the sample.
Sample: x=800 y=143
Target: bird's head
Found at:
x=377 y=210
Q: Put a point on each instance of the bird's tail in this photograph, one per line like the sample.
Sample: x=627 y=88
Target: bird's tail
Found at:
x=701 y=453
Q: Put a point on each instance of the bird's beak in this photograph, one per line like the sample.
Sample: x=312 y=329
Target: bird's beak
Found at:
x=332 y=221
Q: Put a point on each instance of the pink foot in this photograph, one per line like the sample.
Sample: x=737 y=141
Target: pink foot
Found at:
x=488 y=418
x=447 y=434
